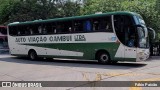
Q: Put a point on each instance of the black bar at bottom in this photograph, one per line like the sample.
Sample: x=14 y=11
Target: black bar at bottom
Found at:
x=79 y=83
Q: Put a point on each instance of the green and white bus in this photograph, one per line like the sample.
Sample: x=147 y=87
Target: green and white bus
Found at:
x=106 y=37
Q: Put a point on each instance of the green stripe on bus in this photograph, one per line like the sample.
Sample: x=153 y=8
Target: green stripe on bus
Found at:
x=89 y=49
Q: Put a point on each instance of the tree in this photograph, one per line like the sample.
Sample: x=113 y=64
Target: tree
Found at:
x=28 y=10
x=6 y=7
x=146 y=8
x=93 y=6
x=68 y=8
x=158 y=6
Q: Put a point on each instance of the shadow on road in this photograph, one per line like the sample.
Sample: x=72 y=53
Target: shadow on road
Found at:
x=74 y=63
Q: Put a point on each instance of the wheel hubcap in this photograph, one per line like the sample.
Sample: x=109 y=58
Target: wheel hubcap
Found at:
x=104 y=57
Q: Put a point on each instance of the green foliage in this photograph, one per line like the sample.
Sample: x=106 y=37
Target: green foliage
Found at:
x=31 y=10
x=148 y=9
x=93 y=6
x=158 y=6
x=27 y=10
x=68 y=8
x=6 y=7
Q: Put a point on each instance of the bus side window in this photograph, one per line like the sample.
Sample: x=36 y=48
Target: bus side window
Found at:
x=96 y=24
x=87 y=27
x=68 y=27
x=18 y=32
x=21 y=30
x=51 y=28
x=78 y=26
x=55 y=30
x=29 y=31
x=44 y=31
x=25 y=29
x=33 y=29
x=108 y=23
x=102 y=24
x=59 y=28
x=40 y=29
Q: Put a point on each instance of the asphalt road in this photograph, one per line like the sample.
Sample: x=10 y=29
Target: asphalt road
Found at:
x=19 y=69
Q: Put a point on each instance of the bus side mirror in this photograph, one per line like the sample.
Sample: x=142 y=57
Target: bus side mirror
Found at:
x=152 y=31
x=143 y=29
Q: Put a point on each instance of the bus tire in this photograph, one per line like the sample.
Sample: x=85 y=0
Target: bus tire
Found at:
x=103 y=58
x=32 y=55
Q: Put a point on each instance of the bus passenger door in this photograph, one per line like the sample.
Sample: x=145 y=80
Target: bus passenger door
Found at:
x=118 y=30
x=130 y=53
x=130 y=40
x=120 y=52
x=125 y=32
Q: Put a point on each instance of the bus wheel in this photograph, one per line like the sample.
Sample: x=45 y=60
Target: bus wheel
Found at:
x=103 y=58
x=32 y=55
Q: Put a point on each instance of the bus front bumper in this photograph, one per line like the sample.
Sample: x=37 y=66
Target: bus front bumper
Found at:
x=142 y=56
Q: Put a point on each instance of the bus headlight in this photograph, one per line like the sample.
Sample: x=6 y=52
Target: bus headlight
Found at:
x=143 y=55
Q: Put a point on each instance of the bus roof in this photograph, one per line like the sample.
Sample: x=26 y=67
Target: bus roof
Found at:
x=72 y=18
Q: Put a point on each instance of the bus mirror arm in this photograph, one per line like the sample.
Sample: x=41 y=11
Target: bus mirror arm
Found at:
x=153 y=31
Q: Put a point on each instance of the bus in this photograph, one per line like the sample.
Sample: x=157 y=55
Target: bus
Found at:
x=3 y=40
x=107 y=38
